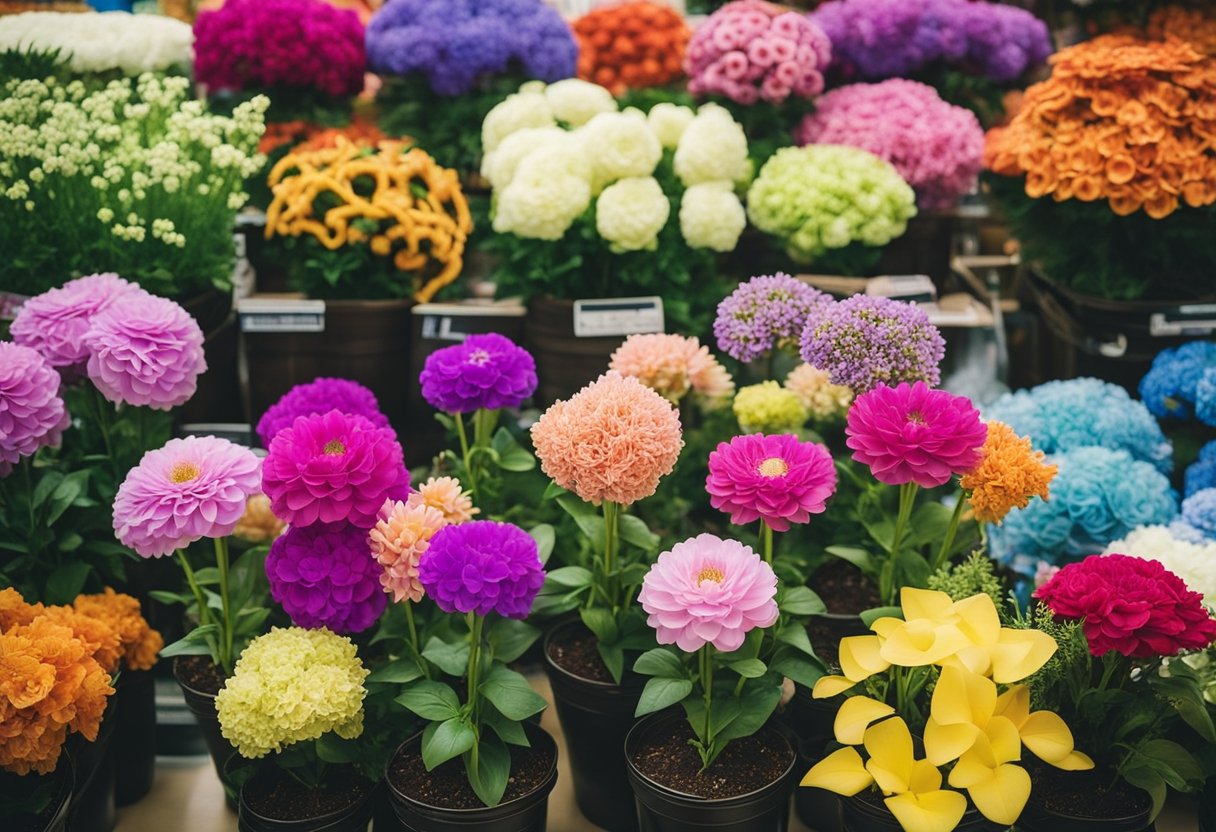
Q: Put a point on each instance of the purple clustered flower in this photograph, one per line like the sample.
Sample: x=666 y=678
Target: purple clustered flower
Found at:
x=320 y=396
x=326 y=576
x=865 y=341
x=482 y=567
x=457 y=43
x=874 y=39
x=32 y=414
x=764 y=313
x=485 y=371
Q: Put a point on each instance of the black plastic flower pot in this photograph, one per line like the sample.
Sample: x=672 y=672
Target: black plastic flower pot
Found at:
x=526 y=813
x=54 y=816
x=202 y=706
x=353 y=816
x=663 y=809
x=1083 y=801
x=134 y=744
x=867 y=813
x=92 y=806
x=595 y=717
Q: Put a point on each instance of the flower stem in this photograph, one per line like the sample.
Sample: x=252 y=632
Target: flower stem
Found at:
x=226 y=626
x=948 y=542
x=204 y=614
x=611 y=514
x=766 y=532
x=464 y=453
x=409 y=621
x=907 y=497
x=706 y=657
x=476 y=622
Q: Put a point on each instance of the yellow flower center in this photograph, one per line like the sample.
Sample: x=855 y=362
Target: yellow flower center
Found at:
x=710 y=573
x=478 y=357
x=774 y=466
x=184 y=472
x=915 y=418
x=334 y=447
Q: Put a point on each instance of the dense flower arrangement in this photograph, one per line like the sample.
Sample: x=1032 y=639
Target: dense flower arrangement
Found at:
x=97 y=43
x=320 y=396
x=482 y=567
x=32 y=413
x=149 y=181
x=138 y=642
x=751 y=50
x=1195 y=26
x=1181 y=383
x=766 y=314
x=673 y=366
x=826 y=402
x=279 y=44
x=1201 y=473
x=445 y=495
x=936 y=147
x=631 y=45
x=1198 y=520
x=404 y=238
x=401 y=536
x=767 y=407
x=1194 y=563
x=830 y=203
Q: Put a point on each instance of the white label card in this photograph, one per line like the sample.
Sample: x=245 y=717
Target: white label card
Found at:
x=607 y=317
x=281 y=315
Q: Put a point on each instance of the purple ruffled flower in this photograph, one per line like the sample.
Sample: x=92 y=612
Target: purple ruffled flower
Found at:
x=764 y=313
x=32 y=414
x=145 y=351
x=320 y=396
x=457 y=43
x=325 y=576
x=482 y=567
x=486 y=371
x=865 y=341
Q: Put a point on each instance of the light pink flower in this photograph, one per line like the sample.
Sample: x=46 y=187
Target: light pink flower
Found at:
x=446 y=495
x=709 y=591
x=401 y=536
x=671 y=365
x=777 y=479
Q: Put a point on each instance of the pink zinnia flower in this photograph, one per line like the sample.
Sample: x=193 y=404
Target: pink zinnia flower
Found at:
x=191 y=488
x=777 y=479
x=32 y=414
x=333 y=468
x=398 y=540
x=708 y=591
x=913 y=433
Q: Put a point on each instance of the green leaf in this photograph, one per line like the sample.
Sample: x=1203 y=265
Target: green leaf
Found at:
x=165 y=597
x=46 y=484
x=452 y=659
x=193 y=643
x=749 y=668
x=1183 y=693
x=756 y=705
x=66 y=493
x=660 y=662
x=635 y=531
x=65 y=583
x=869 y=616
x=797 y=666
x=801 y=600
x=589 y=523
x=795 y=636
x=511 y=455
x=510 y=639
x=430 y=700
x=510 y=693
x=489 y=777
x=545 y=537
x=661 y=692
x=207 y=576
x=860 y=558
x=250 y=621
x=1145 y=777
x=553 y=491
x=911 y=569
x=70 y=542
x=1170 y=760
x=601 y=622
x=929 y=522
x=398 y=671
x=444 y=740
x=509 y=731
x=613 y=656
x=334 y=749
x=568 y=577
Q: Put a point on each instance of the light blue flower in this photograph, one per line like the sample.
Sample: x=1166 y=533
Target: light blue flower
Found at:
x=1199 y=510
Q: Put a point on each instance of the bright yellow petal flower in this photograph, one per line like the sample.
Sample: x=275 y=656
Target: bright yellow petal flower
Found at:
x=889 y=744
x=1019 y=654
x=883 y=627
x=860 y=657
x=926 y=604
x=922 y=642
x=1047 y=737
x=1076 y=761
x=962 y=697
x=1002 y=736
x=978 y=619
x=926 y=777
x=1014 y=705
x=828 y=686
x=944 y=743
x=938 y=811
x=1002 y=795
x=841 y=772
x=855 y=716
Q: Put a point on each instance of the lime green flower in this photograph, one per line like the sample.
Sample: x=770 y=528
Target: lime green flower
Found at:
x=769 y=408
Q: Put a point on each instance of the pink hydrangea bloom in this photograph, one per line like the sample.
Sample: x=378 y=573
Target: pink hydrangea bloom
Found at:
x=191 y=488
x=398 y=540
x=913 y=433
x=777 y=479
x=707 y=590
x=32 y=415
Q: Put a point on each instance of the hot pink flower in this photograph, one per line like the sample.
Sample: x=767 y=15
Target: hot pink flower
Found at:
x=774 y=478
x=913 y=433
x=709 y=591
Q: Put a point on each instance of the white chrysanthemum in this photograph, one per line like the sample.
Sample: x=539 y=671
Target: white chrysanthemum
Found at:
x=576 y=102
x=526 y=108
x=103 y=41
x=711 y=216
x=712 y=147
x=1194 y=563
x=620 y=145
x=631 y=212
x=549 y=191
x=499 y=166
x=669 y=121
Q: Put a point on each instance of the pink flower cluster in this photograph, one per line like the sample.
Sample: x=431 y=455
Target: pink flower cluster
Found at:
x=751 y=50
x=936 y=147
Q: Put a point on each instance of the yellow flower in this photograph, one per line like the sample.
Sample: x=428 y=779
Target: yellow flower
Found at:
x=1009 y=474
x=769 y=408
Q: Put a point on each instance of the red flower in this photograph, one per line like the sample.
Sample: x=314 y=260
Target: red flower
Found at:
x=1132 y=605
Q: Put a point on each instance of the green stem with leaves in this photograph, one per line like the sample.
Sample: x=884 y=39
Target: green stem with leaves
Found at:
x=226 y=625
x=409 y=622
x=464 y=453
x=476 y=624
x=611 y=519
x=705 y=658
x=943 y=553
x=907 y=498
x=204 y=613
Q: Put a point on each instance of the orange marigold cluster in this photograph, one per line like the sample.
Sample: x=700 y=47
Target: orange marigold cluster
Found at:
x=1122 y=119
x=1010 y=473
x=305 y=135
x=138 y=642
x=631 y=46
x=1198 y=28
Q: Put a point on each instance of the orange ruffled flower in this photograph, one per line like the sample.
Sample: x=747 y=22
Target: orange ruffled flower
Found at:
x=631 y=46
x=98 y=637
x=14 y=610
x=1009 y=474
x=1192 y=25
x=446 y=496
x=1121 y=119
x=398 y=540
x=671 y=365
x=139 y=643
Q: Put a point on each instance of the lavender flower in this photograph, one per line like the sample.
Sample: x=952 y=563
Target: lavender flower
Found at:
x=482 y=567
x=764 y=313
x=31 y=413
x=486 y=371
x=866 y=341
x=320 y=396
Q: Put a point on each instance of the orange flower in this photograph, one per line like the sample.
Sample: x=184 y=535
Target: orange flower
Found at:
x=14 y=610
x=632 y=45
x=259 y=524
x=139 y=642
x=1009 y=474
x=102 y=642
x=1193 y=26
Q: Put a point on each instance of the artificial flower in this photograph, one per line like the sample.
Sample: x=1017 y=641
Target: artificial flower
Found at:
x=768 y=407
x=482 y=567
x=711 y=216
x=620 y=146
x=1010 y=472
x=483 y=372
x=401 y=536
x=326 y=576
x=121 y=613
x=669 y=121
x=320 y=395
x=98 y=42
x=631 y=212
x=778 y=479
x=631 y=45
x=32 y=415
x=712 y=148
x=576 y=102
x=518 y=111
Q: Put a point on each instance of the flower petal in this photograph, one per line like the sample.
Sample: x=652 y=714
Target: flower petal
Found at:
x=1001 y=797
x=1047 y=737
x=841 y=772
x=828 y=686
x=925 y=603
x=1019 y=654
x=855 y=716
x=889 y=744
x=944 y=743
x=1075 y=761
x=938 y=811
x=859 y=657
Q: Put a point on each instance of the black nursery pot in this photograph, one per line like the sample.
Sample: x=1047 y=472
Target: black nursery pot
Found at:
x=134 y=744
x=202 y=705
x=595 y=716
x=351 y=818
x=54 y=818
x=526 y=813
x=1079 y=801
x=812 y=720
x=661 y=809
x=92 y=805
x=866 y=813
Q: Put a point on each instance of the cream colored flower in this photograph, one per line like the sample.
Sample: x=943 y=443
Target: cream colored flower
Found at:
x=548 y=193
x=823 y=399
x=631 y=212
x=526 y=108
x=711 y=216
x=713 y=147
x=619 y=146
x=669 y=121
x=446 y=495
x=576 y=102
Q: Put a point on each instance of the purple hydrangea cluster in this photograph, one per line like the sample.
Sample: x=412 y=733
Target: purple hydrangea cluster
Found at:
x=764 y=313
x=320 y=396
x=865 y=341
x=456 y=43
x=482 y=567
x=32 y=414
x=325 y=576
x=484 y=372
x=875 y=39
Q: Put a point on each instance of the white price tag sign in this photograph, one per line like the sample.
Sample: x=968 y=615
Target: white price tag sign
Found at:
x=608 y=317
x=281 y=315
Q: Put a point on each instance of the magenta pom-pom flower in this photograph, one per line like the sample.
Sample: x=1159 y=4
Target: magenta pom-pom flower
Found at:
x=32 y=414
x=778 y=479
x=913 y=433
x=145 y=351
x=55 y=322
x=482 y=567
x=707 y=590
x=333 y=468
x=320 y=396
x=1130 y=605
x=486 y=371
x=325 y=576
x=191 y=488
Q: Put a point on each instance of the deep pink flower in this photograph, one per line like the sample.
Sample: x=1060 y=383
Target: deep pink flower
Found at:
x=913 y=433
x=1133 y=606
x=708 y=591
x=32 y=414
x=777 y=479
x=191 y=488
x=333 y=468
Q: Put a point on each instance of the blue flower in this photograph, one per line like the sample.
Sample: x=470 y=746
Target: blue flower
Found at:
x=1202 y=472
x=1199 y=510
x=1169 y=388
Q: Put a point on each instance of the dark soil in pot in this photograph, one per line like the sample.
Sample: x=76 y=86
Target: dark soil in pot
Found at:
x=846 y=593
x=199 y=673
x=747 y=764
x=273 y=800
x=1083 y=801
x=571 y=647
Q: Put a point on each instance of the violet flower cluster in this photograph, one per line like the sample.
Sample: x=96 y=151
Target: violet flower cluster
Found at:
x=484 y=372
x=320 y=396
x=936 y=147
x=457 y=43
x=766 y=313
x=482 y=567
x=875 y=39
x=258 y=44
x=749 y=51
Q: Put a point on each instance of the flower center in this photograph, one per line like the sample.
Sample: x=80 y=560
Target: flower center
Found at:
x=183 y=472
x=478 y=357
x=774 y=466
x=710 y=573
x=334 y=447
x=915 y=418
